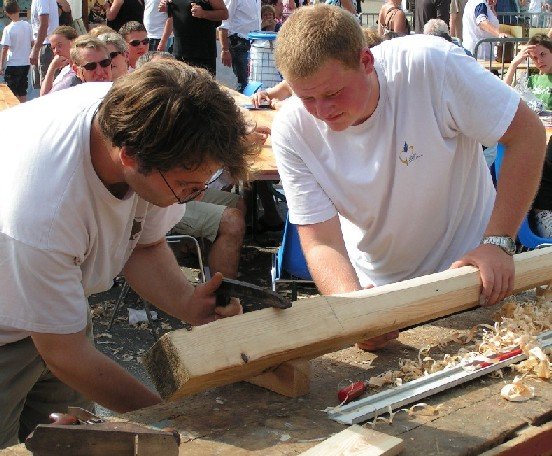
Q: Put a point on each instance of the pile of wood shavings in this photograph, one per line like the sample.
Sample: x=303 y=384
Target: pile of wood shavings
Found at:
x=519 y=325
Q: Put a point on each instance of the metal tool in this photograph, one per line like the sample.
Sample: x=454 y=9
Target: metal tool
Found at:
x=262 y=298
x=407 y=393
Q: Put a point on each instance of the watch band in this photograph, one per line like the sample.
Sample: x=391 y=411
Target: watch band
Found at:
x=506 y=243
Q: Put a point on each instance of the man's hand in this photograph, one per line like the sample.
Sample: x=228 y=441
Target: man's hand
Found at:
x=197 y=11
x=202 y=308
x=260 y=97
x=162 y=8
x=33 y=56
x=497 y=272
x=226 y=58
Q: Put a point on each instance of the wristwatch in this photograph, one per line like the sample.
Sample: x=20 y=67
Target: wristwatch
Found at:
x=506 y=243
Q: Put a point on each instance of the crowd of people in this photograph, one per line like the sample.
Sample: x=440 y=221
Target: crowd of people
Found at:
x=378 y=144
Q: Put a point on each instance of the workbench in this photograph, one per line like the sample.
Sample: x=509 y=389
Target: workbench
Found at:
x=242 y=419
x=7 y=98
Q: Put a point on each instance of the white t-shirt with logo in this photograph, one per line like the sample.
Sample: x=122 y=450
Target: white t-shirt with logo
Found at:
x=40 y=7
x=18 y=36
x=410 y=184
x=63 y=235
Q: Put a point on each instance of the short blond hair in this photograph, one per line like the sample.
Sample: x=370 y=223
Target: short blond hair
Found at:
x=314 y=34
x=85 y=42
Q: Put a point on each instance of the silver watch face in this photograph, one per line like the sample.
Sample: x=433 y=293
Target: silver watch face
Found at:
x=506 y=243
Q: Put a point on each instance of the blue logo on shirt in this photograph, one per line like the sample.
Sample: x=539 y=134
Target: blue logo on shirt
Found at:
x=407 y=154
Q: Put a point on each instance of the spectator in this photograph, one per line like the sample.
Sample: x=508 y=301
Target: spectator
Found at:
x=436 y=27
x=100 y=30
x=44 y=19
x=268 y=19
x=136 y=37
x=392 y=18
x=64 y=13
x=120 y=12
x=194 y=25
x=103 y=174
x=366 y=132
x=244 y=17
x=90 y=60
x=430 y=9
x=480 y=22
x=60 y=73
x=17 y=42
x=96 y=16
x=278 y=7
x=118 y=53
x=539 y=50
x=347 y=5
x=154 y=21
x=153 y=55
x=456 y=14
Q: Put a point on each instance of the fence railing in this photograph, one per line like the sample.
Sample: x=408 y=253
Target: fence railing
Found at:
x=509 y=49
x=371 y=19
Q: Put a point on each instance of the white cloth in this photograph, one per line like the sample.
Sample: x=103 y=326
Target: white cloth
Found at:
x=244 y=16
x=40 y=7
x=472 y=33
x=154 y=20
x=410 y=184
x=18 y=36
x=63 y=79
x=63 y=235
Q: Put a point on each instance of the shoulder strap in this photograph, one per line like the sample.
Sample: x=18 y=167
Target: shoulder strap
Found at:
x=388 y=18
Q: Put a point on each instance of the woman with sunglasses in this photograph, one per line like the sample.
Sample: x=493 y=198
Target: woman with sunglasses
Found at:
x=118 y=53
x=91 y=62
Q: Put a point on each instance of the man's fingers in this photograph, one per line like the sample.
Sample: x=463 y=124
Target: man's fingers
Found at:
x=212 y=285
x=233 y=308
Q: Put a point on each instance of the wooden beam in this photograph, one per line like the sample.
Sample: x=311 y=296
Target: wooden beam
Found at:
x=232 y=349
x=290 y=379
x=357 y=441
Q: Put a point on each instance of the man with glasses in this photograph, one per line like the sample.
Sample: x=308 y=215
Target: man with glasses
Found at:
x=137 y=39
x=89 y=194
x=90 y=60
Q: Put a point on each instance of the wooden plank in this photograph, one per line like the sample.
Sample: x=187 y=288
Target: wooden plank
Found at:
x=228 y=350
x=535 y=440
x=7 y=98
x=358 y=441
x=290 y=379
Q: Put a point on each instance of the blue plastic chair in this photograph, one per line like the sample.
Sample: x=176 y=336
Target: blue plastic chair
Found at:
x=252 y=87
x=289 y=264
x=526 y=237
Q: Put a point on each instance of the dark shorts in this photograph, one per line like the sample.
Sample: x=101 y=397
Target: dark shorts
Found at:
x=17 y=79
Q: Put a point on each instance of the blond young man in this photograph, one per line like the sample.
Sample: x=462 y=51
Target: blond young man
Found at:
x=380 y=157
x=90 y=193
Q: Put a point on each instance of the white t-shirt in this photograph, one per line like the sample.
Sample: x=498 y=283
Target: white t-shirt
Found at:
x=410 y=184
x=63 y=235
x=244 y=16
x=154 y=20
x=40 y=7
x=64 y=79
x=472 y=33
x=18 y=36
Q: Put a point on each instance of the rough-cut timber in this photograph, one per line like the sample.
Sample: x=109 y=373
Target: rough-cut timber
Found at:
x=233 y=349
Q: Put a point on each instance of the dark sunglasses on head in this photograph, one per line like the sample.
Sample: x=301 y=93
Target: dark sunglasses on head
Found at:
x=114 y=54
x=135 y=43
x=91 y=66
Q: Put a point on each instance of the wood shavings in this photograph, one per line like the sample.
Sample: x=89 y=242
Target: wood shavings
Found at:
x=423 y=409
x=517 y=391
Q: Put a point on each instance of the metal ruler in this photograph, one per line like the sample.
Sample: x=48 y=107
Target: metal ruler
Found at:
x=369 y=407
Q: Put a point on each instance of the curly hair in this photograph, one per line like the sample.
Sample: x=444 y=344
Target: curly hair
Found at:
x=542 y=40
x=314 y=34
x=170 y=115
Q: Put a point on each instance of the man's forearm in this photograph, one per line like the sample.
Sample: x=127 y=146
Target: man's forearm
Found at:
x=74 y=360
x=489 y=28
x=42 y=32
x=223 y=38
x=520 y=172
x=215 y=15
x=154 y=274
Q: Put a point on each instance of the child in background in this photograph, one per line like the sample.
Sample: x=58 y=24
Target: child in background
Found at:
x=268 y=19
x=17 y=42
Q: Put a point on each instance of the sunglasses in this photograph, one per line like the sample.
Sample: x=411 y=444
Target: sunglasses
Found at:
x=114 y=54
x=91 y=66
x=135 y=43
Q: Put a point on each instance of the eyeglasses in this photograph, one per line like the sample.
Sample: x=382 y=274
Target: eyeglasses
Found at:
x=114 y=54
x=135 y=43
x=192 y=196
x=91 y=66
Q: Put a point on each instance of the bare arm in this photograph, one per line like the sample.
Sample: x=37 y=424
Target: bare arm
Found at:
x=41 y=36
x=399 y=23
x=521 y=56
x=348 y=5
x=76 y=362
x=327 y=257
x=225 y=56
x=3 y=58
x=524 y=143
x=218 y=13
x=57 y=62
x=489 y=28
x=273 y=95
x=65 y=7
x=153 y=272
x=112 y=9
x=167 y=30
